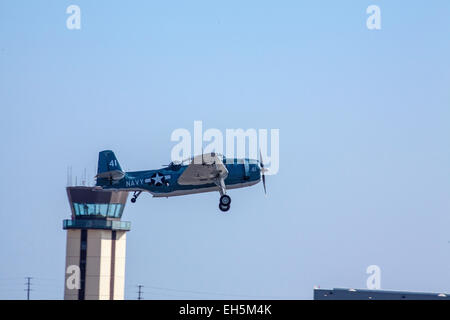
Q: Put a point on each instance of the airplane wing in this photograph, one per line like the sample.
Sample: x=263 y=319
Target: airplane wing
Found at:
x=204 y=169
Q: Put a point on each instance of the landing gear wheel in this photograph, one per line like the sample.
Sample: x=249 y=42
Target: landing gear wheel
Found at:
x=224 y=208
x=225 y=200
x=133 y=200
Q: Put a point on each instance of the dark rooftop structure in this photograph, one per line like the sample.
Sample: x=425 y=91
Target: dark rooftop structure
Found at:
x=365 y=294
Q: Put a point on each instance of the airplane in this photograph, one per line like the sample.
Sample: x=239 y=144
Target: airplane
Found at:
x=205 y=173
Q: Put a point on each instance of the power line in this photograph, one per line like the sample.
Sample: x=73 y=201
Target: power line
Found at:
x=140 y=292
x=28 y=284
x=196 y=292
x=214 y=293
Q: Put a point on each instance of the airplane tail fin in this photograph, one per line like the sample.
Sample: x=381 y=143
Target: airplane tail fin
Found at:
x=108 y=168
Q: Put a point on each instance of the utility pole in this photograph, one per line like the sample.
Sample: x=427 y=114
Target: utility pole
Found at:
x=140 y=291
x=28 y=284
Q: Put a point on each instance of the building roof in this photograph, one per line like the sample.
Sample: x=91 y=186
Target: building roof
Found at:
x=365 y=294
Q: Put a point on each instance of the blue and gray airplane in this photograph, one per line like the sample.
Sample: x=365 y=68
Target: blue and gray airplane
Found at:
x=204 y=173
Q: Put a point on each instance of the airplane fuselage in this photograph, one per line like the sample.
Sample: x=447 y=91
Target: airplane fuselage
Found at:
x=164 y=182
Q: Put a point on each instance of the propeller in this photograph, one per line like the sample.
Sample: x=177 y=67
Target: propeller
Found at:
x=261 y=163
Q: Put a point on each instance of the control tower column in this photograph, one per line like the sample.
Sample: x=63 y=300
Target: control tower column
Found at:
x=96 y=243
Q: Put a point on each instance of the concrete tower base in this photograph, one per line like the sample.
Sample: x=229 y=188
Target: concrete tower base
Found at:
x=100 y=256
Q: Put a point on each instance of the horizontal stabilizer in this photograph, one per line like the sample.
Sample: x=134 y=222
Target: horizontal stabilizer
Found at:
x=114 y=175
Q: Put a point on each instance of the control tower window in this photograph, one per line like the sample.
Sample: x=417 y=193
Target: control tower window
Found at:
x=110 y=210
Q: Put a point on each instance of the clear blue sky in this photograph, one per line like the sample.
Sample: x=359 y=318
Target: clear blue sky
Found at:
x=364 y=132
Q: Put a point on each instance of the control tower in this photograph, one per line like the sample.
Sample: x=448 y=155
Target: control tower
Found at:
x=96 y=242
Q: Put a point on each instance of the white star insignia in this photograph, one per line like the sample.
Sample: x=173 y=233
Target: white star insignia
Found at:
x=158 y=178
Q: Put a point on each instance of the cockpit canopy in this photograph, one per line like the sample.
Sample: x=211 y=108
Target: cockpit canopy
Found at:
x=174 y=165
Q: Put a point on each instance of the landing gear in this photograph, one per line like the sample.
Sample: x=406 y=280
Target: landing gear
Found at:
x=224 y=204
x=225 y=200
x=135 y=196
